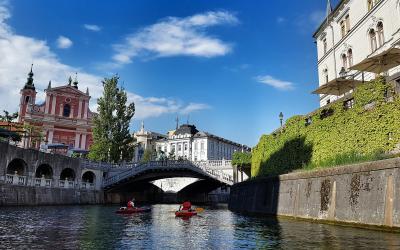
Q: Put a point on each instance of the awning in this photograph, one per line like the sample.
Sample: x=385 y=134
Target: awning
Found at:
x=380 y=63
x=337 y=87
x=5 y=133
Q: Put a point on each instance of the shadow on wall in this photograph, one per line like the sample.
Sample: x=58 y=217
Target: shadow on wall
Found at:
x=261 y=195
x=293 y=155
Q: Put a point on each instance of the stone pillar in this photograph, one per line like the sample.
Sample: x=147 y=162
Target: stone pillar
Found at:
x=50 y=138
x=83 y=141
x=77 y=137
x=61 y=110
x=85 y=116
x=53 y=105
x=46 y=110
x=80 y=109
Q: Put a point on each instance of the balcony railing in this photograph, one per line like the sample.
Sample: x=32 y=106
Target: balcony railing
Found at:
x=15 y=179
x=66 y=184
x=42 y=182
x=87 y=185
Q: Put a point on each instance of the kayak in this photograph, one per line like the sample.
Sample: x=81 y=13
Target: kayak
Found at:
x=134 y=210
x=183 y=213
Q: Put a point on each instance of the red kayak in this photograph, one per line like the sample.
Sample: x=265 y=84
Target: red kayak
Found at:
x=183 y=213
x=133 y=210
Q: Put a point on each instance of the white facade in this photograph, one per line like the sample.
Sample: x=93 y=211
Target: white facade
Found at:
x=355 y=30
x=189 y=143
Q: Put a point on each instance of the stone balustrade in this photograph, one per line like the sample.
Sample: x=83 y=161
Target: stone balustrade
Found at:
x=43 y=182
x=15 y=179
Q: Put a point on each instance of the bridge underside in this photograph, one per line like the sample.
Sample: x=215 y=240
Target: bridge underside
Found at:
x=144 y=191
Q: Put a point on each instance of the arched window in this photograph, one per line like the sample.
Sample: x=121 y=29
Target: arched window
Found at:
x=325 y=45
x=381 y=37
x=344 y=61
x=27 y=99
x=66 y=110
x=350 y=57
x=325 y=73
x=372 y=38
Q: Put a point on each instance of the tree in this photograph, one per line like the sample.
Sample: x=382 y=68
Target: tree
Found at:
x=241 y=159
x=112 y=140
x=33 y=134
x=147 y=156
x=7 y=117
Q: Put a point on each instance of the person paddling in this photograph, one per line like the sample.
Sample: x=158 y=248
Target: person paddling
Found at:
x=131 y=203
x=186 y=206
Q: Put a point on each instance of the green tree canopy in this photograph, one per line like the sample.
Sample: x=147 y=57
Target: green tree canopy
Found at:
x=241 y=159
x=112 y=140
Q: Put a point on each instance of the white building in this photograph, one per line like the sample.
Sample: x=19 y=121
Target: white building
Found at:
x=353 y=31
x=145 y=140
x=188 y=143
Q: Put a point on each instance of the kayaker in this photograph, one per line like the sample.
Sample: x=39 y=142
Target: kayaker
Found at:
x=131 y=203
x=186 y=206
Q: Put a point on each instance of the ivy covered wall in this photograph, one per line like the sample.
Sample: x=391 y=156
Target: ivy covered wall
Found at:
x=372 y=125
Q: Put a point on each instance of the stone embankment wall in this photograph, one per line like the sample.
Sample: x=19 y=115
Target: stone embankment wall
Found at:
x=366 y=194
x=11 y=195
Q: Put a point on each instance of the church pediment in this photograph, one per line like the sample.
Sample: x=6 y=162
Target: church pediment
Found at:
x=68 y=90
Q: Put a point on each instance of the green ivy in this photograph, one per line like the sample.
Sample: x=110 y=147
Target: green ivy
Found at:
x=371 y=126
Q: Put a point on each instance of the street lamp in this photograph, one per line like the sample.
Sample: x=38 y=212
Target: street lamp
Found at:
x=342 y=73
x=281 y=117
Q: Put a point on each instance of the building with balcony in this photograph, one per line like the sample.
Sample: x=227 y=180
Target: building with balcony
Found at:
x=352 y=32
x=64 y=117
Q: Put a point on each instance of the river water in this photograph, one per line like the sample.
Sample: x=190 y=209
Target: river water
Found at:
x=98 y=227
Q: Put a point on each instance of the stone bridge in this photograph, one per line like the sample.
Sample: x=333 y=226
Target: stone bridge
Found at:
x=30 y=177
x=154 y=170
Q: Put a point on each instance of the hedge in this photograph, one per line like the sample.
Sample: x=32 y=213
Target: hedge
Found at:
x=333 y=133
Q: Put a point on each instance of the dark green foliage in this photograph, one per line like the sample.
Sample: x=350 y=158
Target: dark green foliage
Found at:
x=241 y=159
x=343 y=136
x=111 y=136
x=7 y=117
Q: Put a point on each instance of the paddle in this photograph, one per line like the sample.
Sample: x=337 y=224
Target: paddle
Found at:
x=199 y=209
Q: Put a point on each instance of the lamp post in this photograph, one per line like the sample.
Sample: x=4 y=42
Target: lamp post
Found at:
x=281 y=117
x=342 y=73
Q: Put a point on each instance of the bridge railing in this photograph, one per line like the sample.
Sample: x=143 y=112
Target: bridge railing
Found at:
x=200 y=168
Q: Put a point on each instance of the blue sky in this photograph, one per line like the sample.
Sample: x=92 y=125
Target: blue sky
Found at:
x=231 y=66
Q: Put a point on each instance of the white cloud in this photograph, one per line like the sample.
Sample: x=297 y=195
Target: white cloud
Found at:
x=17 y=52
x=64 y=42
x=176 y=37
x=194 y=107
x=276 y=83
x=92 y=27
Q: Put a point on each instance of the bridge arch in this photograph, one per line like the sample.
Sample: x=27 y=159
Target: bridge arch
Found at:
x=89 y=177
x=17 y=166
x=44 y=170
x=68 y=174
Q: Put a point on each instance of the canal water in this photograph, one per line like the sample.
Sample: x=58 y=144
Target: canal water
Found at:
x=98 y=227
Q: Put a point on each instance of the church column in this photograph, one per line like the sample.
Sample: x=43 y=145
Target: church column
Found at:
x=86 y=110
x=50 y=138
x=53 y=105
x=80 y=109
x=46 y=110
x=77 y=137
x=71 y=114
x=83 y=141
x=61 y=110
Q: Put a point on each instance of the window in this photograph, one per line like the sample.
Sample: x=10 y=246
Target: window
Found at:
x=66 y=110
x=27 y=99
x=381 y=38
x=350 y=57
x=179 y=147
x=347 y=21
x=326 y=113
x=344 y=61
x=345 y=25
x=186 y=146
x=202 y=146
x=325 y=73
x=372 y=37
x=328 y=101
x=325 y=45
x=343 y=28
x=370 y=4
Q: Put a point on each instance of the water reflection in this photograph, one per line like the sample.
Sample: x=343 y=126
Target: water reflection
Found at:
x=98 y=227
